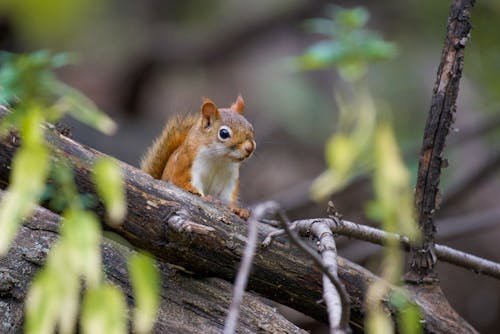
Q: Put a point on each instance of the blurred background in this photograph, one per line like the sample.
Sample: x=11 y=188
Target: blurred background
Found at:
x=144 y=61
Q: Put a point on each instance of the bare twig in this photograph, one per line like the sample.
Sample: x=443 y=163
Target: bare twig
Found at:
x=333 y=290
x=449 y=229
x=439 y=122
x=376 y=236
x=334 y=294
x=246 y=263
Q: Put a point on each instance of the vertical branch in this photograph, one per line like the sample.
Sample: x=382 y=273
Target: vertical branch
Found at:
x=439 y=121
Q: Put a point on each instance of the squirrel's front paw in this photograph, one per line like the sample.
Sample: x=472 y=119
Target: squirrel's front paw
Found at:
x=211 y=199
x=242 y=212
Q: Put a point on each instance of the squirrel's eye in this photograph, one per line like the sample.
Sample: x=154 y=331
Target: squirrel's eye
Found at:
x=224 y=133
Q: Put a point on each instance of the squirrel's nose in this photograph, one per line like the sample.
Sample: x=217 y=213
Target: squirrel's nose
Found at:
x=249 y=146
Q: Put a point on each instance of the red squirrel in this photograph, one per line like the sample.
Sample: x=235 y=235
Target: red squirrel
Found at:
x=203 y=153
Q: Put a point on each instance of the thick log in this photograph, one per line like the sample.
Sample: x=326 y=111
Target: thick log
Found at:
x=188 y=304
x=213 y=244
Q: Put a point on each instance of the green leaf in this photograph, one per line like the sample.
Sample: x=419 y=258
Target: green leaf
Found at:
x=145 y=281
x=81 y=237
x=410 y=319
x=321 y=55
x=351 y=18
x=392 y=188
x=378 y=322
x=104 y=311
x=42 y=304
x=26 y=182
x=53 y=297
x=341 y=152
x=408 y=313
x=12 y=208
x=107 y=177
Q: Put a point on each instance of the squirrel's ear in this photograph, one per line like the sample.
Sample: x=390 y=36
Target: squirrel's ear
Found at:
x=238 y=105
x=209 y=112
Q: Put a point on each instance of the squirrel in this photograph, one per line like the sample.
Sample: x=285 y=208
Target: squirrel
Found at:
x=203 y=153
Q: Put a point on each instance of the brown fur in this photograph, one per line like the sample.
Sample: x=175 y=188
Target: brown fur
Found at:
x=173 y=135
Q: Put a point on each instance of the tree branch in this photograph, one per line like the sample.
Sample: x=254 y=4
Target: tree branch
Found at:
x=439 y=121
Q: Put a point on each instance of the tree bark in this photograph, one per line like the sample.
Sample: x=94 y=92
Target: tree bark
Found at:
x=187 y=304
x=439 y=121
x=183 y=229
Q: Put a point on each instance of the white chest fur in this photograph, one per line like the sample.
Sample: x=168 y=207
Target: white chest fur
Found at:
x=214 y=176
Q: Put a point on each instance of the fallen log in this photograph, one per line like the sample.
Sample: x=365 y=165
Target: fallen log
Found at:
x=187 y=304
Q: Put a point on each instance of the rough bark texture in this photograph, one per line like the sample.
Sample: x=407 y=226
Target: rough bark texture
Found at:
x=188 y=304
x=208 y=240
x=439 y=121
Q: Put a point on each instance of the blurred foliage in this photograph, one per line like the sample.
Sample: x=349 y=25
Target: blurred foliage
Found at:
x=348 y=150
x=365 y=143
x=42 y=20
x=108 y=179
x=142 y=273
x=32 y=95
x=26 y=183
x=104 y=311
x=349 y=47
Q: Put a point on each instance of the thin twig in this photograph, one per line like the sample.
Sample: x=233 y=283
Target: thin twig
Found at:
x=343 y=323
x=246 y=263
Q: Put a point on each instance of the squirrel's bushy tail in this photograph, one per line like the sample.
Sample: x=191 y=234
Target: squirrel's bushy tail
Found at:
x=173 y=135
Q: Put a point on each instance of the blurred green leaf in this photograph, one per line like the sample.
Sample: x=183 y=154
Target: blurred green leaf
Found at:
x=146 y=283
x=378 y=322
x=81 y=238
x=104 y=311
x=350 y=48
x=341 y=152
x=29 y=79
x=26 y=76
x=410 y=319
x=392 y=188
x=52 y=300
x=12 y=208
x=408 y=313
x=107 y=177
x=27 y=182
x=353 y=18
x=42 y=304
